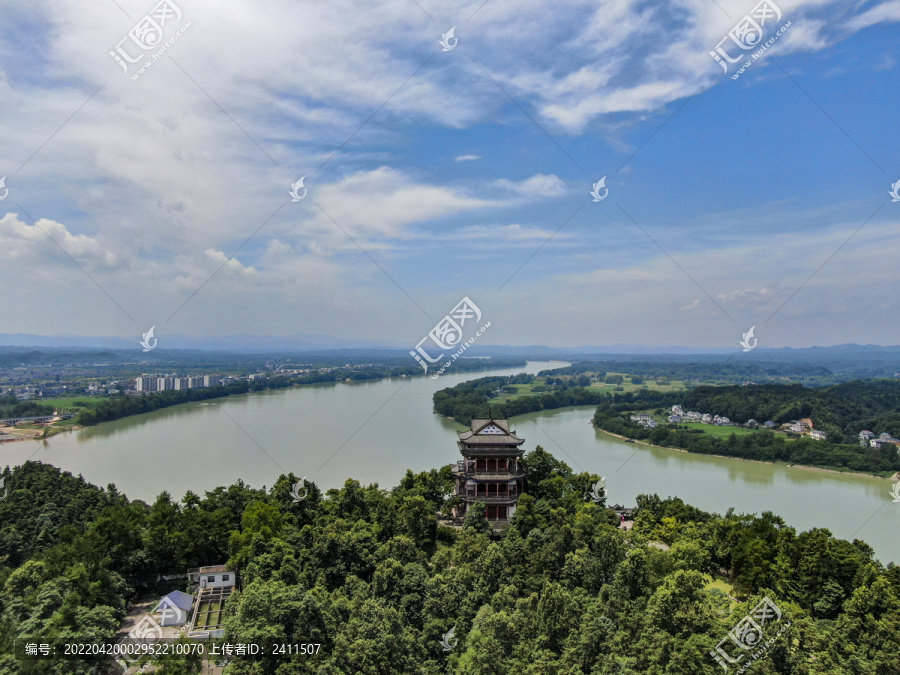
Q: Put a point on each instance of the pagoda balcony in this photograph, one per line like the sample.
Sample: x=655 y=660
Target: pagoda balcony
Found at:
x=491 y=475
x=461 y=470
x=492 y=499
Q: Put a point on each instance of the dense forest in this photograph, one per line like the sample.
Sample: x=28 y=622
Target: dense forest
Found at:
x=372 y=576
x=841 y=410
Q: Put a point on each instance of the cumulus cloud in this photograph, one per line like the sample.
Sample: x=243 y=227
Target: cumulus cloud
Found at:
x=43 y=241
x=535 y=187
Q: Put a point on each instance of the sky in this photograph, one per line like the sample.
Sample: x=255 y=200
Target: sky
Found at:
x=439 y=168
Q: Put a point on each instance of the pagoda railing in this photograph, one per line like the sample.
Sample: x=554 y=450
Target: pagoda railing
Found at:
x=489 y=498
x=460 y=468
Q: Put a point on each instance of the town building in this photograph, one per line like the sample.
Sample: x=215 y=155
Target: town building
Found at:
x=145 y=383
x=490 y=470
x=817 y=435
x=674 y=418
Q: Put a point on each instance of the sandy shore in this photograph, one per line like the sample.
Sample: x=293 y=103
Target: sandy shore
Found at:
x=895 y=477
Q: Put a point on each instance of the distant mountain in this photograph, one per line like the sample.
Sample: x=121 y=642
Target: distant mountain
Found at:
x=243 y=343
x=227 y=343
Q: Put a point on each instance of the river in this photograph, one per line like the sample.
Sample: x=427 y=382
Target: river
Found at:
x=374 y=431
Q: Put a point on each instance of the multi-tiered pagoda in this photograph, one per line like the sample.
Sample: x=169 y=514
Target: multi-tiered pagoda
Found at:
x=490 y=471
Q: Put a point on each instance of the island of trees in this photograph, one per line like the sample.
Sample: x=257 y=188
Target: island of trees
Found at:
x=372 y=576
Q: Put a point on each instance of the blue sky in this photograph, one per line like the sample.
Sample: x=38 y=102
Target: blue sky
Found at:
x=725 y=196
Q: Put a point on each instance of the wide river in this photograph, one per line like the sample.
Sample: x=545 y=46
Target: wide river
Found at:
x=374 y=431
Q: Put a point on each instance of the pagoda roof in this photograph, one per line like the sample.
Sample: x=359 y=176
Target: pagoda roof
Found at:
x=489 y=431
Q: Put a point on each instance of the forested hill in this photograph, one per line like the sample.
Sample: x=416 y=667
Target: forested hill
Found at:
x=370 y=576
x=841 y=410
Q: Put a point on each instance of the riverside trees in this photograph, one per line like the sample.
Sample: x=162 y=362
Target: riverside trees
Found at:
x=369 y=575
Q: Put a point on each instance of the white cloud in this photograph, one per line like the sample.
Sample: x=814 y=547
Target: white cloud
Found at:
x=885 y=12
x=385 y=203
x=467 y=158
x=32 y=243
x=537 y=186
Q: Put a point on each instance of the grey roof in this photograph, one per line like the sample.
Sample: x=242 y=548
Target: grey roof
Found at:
x=177 y=599
x=478 y=423
x=475 y=437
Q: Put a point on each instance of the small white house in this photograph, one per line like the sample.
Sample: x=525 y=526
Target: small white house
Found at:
x=214 y=576
x=817 y=435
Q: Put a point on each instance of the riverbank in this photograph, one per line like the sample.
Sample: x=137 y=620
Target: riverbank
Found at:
x=893 y=477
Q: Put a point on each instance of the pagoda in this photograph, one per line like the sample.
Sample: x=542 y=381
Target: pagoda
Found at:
x=490 y=471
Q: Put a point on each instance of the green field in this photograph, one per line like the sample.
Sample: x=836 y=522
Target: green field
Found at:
x=651 y=384
x=713 y=430
x=515 y=390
